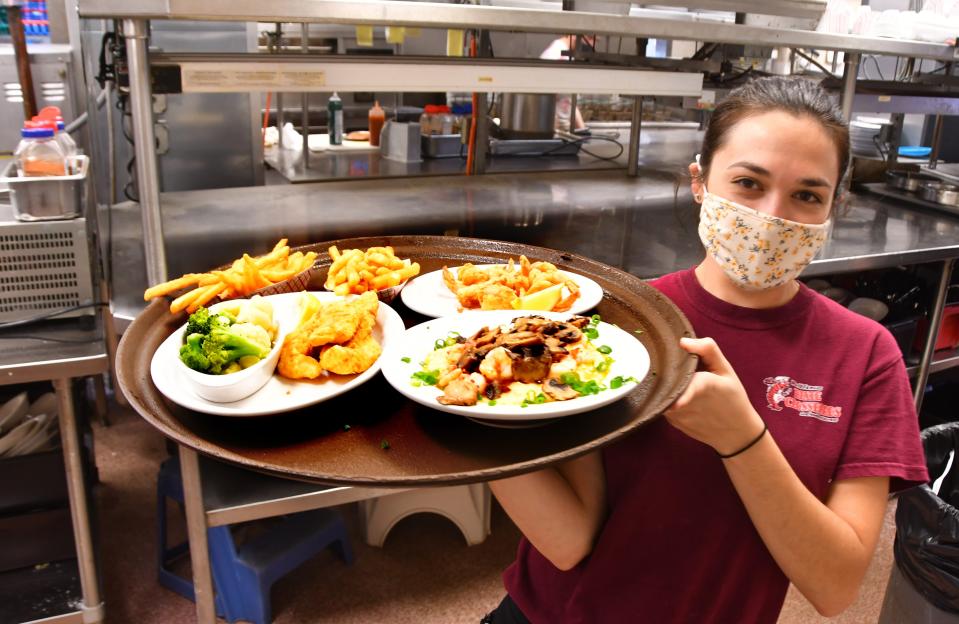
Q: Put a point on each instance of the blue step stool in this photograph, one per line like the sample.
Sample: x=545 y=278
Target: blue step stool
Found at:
x=243 y=576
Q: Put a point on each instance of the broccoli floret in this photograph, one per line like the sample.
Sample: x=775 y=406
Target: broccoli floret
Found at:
x=224 y=346
x=199 y=322
x=191 y=353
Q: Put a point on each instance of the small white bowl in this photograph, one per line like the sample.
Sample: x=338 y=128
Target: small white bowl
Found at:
x=231 y=386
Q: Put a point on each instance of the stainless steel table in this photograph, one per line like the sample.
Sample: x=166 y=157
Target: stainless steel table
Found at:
x=61 y=351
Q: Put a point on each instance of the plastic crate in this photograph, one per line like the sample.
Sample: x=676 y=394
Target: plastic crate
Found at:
x=47 y=198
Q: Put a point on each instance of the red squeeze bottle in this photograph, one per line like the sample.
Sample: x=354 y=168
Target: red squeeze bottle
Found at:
x=377 y=118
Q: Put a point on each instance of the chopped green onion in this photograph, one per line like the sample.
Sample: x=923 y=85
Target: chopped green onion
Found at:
x=591 y=333
x=618 y=381
x=637 y=331
x=492 y=403
x=605 y=349
x=346 y=427
x=430 y=378
x=595 y=319
x=385 y=445
x=405 y=359
x=440 y=343
x=582 y=387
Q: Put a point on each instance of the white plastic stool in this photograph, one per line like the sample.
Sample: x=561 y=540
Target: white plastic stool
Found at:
x=467 y=506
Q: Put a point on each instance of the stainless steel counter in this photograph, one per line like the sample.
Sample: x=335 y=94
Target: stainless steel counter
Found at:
x=646 y=226
x=326 y=166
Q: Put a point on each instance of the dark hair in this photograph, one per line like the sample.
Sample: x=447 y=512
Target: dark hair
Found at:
x=798 y=96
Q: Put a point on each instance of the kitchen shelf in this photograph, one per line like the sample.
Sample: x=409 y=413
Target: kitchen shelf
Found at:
x=942 y=360
x=50 y=594
x=441 y=15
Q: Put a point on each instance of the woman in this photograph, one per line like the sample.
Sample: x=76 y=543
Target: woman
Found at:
x=775 y=463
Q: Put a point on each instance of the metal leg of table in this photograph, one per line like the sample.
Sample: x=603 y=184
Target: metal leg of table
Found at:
x=70 y=440
x=635 y=128
x=934 y=319
x=196 y=531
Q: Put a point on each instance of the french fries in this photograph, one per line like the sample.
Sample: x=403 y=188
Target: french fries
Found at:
x=245 y=275
x=356 y=271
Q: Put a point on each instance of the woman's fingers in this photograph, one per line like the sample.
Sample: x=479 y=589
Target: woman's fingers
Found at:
x=709 y=354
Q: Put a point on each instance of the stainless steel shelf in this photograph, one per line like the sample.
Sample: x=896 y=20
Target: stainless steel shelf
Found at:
x=232 y=494
x=941 y=361
x=441 y=15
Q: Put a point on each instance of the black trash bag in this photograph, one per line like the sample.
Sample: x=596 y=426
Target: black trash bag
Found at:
x=927 y=525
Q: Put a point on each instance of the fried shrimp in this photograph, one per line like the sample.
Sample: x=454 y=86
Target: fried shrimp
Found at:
x=498 y=287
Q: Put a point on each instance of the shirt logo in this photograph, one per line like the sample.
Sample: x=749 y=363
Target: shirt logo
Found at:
x=783 y=391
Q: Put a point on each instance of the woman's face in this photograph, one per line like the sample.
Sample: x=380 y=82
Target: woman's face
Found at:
x=776 y=163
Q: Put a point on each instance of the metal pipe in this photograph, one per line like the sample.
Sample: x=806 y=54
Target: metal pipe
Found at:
x=933 y=335
x=851 y=62
x=279 y=94
x=196 y=532
x=136 y=32
x=79 y=509
x=936 y=139
x=305 y=101
x=24 y=75
x=632 y=166
x=481 y=141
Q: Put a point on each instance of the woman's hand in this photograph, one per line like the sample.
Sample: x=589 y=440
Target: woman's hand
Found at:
x=714 y=409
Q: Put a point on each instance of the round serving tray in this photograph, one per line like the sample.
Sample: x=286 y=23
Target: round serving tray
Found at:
x=375 y=436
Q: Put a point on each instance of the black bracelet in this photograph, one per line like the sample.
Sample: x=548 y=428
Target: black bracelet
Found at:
x=751 y=444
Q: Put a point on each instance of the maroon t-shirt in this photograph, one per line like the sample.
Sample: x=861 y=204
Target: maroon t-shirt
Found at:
x=678 y=545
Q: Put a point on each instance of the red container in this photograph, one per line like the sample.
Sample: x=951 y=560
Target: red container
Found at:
x=948 y=329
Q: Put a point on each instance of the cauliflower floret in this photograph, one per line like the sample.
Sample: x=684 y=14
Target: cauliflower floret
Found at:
x=258 y=311
x=254 y=333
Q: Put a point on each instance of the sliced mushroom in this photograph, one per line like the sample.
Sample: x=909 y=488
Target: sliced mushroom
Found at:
x=555 y=347
x=470 y=360
x=532 y=365
x=493 y=391
x=568 y=334
x=558 y=391
x=485 y=336
x=521 y=339
x=529 y=323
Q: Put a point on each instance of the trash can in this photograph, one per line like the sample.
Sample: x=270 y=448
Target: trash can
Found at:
x=924 y=584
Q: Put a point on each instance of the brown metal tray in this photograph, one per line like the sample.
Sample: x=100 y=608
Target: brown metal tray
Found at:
x=425 y=447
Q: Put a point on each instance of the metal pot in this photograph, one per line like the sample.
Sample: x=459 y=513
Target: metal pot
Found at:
x=940 y=192
x=907 y=180
x=527 y=115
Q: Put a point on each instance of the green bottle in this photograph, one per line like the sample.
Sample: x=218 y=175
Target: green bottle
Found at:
x=335 y=109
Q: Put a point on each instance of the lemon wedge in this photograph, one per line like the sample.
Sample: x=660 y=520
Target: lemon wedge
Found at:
x=307 y=306
x=544 y=299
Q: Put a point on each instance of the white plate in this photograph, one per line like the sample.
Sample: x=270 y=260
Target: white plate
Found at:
x=630 y=360
x=17 y=435
x=279 y=394
x=46 y=404
x=13 y=411
x=428 y=294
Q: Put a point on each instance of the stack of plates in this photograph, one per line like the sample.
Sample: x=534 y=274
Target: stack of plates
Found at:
x=27 y=427
x=863 y=136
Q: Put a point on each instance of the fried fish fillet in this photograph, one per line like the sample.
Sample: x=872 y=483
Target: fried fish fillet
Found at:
x=355 y=355
x=336 y=322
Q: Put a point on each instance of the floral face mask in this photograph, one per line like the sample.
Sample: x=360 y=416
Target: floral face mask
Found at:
x=756 y=250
